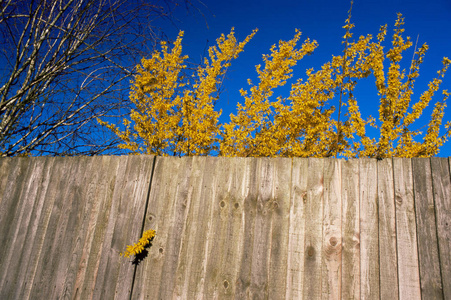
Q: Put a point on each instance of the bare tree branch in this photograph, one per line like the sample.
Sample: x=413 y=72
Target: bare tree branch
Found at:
x=63 y=64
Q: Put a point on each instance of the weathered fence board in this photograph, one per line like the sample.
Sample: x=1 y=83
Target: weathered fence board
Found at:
x=22 y=205
x=431 y=281
x=253 y=279
x=350 y=280
x=126 y=214
x=275 y=212
x=192 y=267
x=313 y=206
x=332 y=236
x=239 y=193
x=442 y=195
x=388 y=257
x=166 y=214
x=296 y=239
x=224 y=243
x=99 y=190
x=369 y=230
x=441 y=186
x=408 y=273
x=66 y=226
x=228 y=228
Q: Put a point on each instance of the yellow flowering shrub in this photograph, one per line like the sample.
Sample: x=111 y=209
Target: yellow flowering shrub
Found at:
x=175 y=113
x=139 y=247
x=252 y=132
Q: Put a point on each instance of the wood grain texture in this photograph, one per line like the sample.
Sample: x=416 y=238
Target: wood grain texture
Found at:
x=313 y=230
x=369 y=230
x=100 y=191
x=441 y=186
x=388 y=258
x=279 y=210
x=258 y=202
x=123 y=227
x=227 y=228
x=189 y=275
x=5 y=169
x=350 y=255
x=245 y=282
x=54 y=248
x=332 y=234
x=222 y=199
x=296 y=233
x=21 y=189
x=406 y=238
x=430 y=277
x=166 y=213
x=229 y=190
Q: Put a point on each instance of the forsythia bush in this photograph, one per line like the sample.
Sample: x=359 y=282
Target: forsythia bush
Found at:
x=175 y=112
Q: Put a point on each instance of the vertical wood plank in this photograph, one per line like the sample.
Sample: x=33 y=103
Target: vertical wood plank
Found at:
x=258 y=200
x=408 y=273
x=214 y=244
x=191 y=247
x=369 y=230
x=17 y=220
x=430 y=277
x=214 y=178
x=123 y=227
x=442 y=196
x=166 y=214
x=226 y=238
x=296 y=238
x=279 y=210
x=99 y=192
x=72 y=225
x=331 y=260
x=10 y=208
x=5 y=169
x=50 y=269
x=313 y=229
x=231 y=233
x=31 y=239
x=42 y=214
x=245 y=284
x=388 y=260
x=270 y=228
x=10 y=204
x=63 y=227
x=350 y=280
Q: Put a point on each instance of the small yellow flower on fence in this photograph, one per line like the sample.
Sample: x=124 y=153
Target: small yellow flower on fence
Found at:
x=142 y=243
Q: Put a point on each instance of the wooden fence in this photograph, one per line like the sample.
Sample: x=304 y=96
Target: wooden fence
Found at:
x=227 y=228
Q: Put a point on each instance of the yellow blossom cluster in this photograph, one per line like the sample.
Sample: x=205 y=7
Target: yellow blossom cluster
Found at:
x=175 y=112
x=200 y=128
x=252 y=132
x=137 y=248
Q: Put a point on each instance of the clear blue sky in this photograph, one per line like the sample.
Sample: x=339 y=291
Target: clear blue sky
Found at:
x=321 y=20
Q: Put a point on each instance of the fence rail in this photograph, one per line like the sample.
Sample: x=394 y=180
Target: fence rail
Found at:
x=228 y=228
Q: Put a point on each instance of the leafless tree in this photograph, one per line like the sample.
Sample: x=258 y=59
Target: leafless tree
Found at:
x=64 y=63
